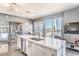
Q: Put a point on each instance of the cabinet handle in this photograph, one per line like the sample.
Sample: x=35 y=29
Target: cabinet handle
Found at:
x=0 y=46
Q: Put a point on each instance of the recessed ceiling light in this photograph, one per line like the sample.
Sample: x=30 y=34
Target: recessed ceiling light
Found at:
x=29 y=11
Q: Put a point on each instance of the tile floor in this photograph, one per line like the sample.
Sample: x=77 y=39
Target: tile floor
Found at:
x=10 y=50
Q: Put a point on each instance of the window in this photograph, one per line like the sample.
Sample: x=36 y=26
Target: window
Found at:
x=57 y=25
x=48 y=27
x=38 y=28
x=4 y=29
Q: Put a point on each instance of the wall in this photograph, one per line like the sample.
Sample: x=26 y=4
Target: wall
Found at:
x=71 y=15
x=27 y=27
x=26 y=23
x=7 y=18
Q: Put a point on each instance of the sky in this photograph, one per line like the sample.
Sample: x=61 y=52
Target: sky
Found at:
x=49 y=23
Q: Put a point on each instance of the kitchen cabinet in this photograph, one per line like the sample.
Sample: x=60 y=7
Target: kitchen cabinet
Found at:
x=33 y=49
x=43 y=51
x=29 y=48
x=71 y=37
x=23 y=45
x=38 y=50
x=18 y=43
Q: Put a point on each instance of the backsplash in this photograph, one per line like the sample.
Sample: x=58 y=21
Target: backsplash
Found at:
x=72 y=28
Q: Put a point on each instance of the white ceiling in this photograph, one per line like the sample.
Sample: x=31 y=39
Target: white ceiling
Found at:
x=37 y=9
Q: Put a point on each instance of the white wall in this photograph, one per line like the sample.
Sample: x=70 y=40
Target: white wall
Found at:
x=27 y=27
x=71 y=15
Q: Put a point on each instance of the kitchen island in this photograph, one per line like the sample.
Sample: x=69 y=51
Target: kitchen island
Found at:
x=44 y=47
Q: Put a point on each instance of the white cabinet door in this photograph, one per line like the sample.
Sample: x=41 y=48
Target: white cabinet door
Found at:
x=38 y=50
x=43 y=51
x=35 y=50
x=18 y=43
x=23 y=45
x=29 y=48
x=32 y=49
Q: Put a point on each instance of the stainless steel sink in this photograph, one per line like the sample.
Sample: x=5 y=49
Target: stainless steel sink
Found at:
x=37 y=39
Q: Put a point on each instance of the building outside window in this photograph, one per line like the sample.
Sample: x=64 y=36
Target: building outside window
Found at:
x=38 y=28
x=57 y=26
x=48 y=27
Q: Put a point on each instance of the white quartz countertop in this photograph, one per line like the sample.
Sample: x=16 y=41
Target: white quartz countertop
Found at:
x=47 y=42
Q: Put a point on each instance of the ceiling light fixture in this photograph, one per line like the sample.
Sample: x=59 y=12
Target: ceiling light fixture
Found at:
x=12 y=7
x=29 y=11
